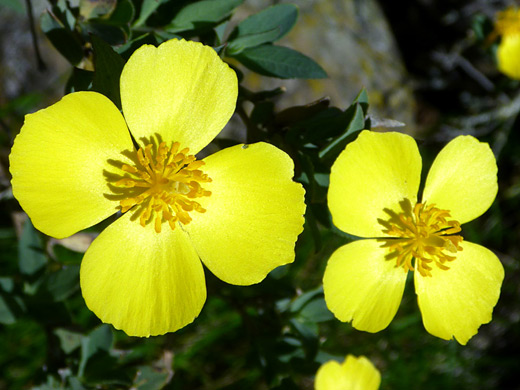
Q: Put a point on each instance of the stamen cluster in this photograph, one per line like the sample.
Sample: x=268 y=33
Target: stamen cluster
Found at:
x=425 y=234
x=170 y=182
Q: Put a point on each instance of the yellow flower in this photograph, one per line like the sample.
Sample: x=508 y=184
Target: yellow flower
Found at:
x=373 y=194
x=356 y=373
x=507 y=25
x=74 y=164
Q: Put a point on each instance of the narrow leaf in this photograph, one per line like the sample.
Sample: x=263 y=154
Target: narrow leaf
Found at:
x=202 y=13
x=281 y=18
x=281 y=62
x=251 y=40
x=126 y=50
x=111 y=34
x=147 y=8
x=362 y=99
x=334 y=148
x=108 y=66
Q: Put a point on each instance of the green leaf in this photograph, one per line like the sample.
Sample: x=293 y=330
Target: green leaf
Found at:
x=316 y=311
x=62 y=11
x=220 y=30
x=30 y=251
x=296 y=114
x=64 y=282
x=79 y=80
x=277 y=20
x=75 y=384
x=163 y=36
x=6 y=284
x=63 y=39
x=245 y=41
x=126 y=50
x=99 y=339
x=111 y=34
x=201 y=14
x=334 y=148
x=6 y=314
x=147 y=8
x=305 y=298
x=147 y=378
x=90 y=9
x=69 y=341
x=108 y=66
x=362 y=99
x=281 y=62
x=65 y=255
x=308 y=330
x=124 y=12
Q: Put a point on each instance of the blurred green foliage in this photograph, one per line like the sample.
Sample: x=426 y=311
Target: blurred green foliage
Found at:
x=276 y=334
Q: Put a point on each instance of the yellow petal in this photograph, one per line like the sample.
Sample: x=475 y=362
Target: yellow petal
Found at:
x=362 y=286
x=455 y=302
x=331 y=376
x=373 y=173
x=508 y=56
x=142 y=282
x=180 y=90
x=58 y=160
x=463 y=179
x=354 y=374
x=254 y=214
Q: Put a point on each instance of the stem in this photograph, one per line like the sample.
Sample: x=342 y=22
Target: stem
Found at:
x=253 y=133
x=41 y=64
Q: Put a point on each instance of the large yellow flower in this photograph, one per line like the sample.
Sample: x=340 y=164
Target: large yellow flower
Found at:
x=355 y=373
x=238 y=210
x=373 y=194
x=507 y=26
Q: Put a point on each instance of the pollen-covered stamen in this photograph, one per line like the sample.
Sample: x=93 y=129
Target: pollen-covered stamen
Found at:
x=426 y=234
x=170 y=182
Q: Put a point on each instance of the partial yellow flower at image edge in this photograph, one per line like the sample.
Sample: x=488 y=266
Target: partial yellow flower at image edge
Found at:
x=507 y=26
x=355 y=373
x=373 y=194
x=74 y=164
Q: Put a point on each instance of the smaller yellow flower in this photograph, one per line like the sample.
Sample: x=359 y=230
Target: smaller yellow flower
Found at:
x=507 y=26
x=355 y=373
x=373 y=194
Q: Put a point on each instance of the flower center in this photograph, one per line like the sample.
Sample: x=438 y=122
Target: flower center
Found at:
x=508 y=21
x=166 y=184
x=424 y=233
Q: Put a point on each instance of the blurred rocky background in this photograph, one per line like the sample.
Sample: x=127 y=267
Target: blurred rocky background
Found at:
x=354 y=43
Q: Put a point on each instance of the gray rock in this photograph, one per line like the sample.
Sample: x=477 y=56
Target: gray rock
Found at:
x=353 y=42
